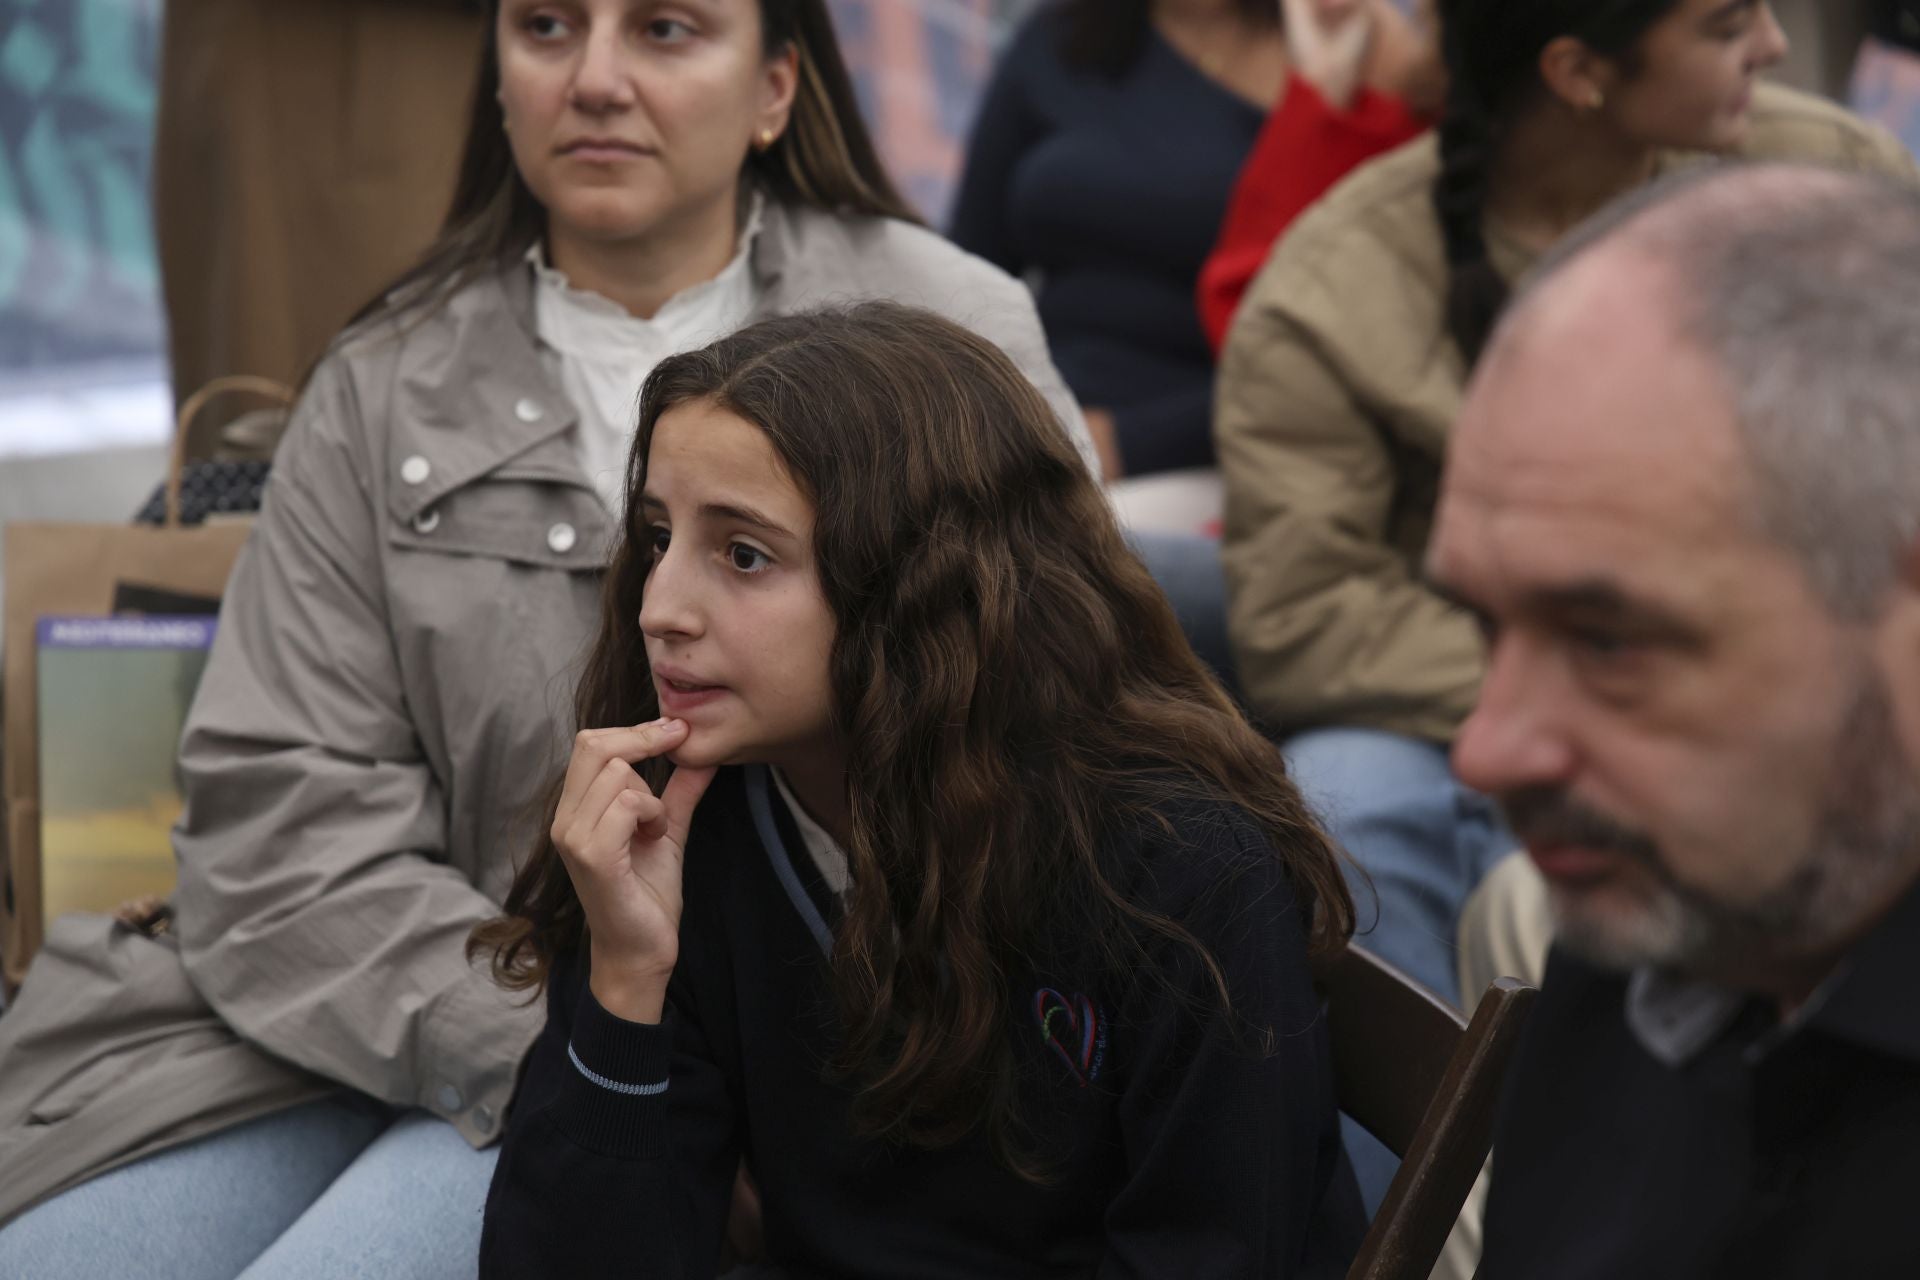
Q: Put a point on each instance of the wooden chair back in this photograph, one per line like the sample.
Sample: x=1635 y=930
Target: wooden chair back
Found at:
x=1426 y=1082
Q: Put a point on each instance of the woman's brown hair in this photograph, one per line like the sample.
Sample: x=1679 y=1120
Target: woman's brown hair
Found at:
x=1011 y=687
x=826 y=158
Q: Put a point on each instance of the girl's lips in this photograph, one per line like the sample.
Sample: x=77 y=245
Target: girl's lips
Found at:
x=679 y=697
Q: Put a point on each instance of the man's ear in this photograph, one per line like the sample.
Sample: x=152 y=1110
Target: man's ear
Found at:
x=1897 y=651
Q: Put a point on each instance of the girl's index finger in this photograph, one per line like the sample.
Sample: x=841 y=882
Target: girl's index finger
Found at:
x=592 y=749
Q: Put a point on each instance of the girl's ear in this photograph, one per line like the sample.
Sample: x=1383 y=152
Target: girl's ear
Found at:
x=779 y=82
x=1575 y=75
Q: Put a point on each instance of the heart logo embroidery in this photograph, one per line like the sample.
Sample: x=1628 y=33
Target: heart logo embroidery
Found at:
x=1072 y=1028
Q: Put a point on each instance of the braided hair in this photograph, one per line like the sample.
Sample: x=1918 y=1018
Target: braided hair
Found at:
x=1492 y=50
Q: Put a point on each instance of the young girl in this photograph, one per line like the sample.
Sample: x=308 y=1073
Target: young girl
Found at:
x=908 y=852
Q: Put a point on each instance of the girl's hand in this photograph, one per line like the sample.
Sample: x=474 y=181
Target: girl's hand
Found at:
x=1328 y=41
x=623 y=848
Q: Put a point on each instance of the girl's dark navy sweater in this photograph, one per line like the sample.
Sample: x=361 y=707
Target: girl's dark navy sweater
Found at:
x=1182 y=1144
x=1111 y=191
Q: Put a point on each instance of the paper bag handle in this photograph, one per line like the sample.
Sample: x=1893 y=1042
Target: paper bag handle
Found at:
x=278 y=392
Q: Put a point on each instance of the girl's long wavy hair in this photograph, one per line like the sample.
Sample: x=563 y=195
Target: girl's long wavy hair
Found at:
x=826 y=158
x=1007 y=679
x=1492 y=50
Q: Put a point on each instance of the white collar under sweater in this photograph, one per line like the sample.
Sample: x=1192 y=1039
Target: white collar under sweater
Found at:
x=827 y=855
x=600 y=354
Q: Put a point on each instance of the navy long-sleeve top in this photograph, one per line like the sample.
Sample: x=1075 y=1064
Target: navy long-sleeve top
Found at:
x=1183 y=1141
x=1111 y=192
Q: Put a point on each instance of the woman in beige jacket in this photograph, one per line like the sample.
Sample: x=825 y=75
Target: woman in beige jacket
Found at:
x=1344 y=369
x=396 y=655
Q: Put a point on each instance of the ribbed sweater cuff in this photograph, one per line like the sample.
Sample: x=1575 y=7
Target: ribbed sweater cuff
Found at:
x=614 y=1099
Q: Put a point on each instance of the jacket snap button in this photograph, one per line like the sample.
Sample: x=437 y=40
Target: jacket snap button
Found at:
x=449 y=1098
x=415 y=470
x=427 y=521
x=528 y=411
x=561 y=538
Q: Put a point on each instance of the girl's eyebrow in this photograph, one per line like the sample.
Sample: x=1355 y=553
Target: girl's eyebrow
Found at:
x=739 y=513
x=744 y=515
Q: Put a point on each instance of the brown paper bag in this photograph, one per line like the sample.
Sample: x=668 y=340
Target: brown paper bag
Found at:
x=90 y=570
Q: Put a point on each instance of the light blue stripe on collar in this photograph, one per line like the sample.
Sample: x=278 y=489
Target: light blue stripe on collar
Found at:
x=760 y=801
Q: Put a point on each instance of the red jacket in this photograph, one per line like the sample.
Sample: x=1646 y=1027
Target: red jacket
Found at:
x=1306 y=146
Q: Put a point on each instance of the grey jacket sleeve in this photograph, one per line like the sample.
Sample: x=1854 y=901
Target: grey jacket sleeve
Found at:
x=314 y=909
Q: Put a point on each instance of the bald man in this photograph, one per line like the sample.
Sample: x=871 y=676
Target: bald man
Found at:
x=1684 y=497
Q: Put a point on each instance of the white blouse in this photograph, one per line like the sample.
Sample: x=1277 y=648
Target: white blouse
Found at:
x=821 y=847
x=600 y=354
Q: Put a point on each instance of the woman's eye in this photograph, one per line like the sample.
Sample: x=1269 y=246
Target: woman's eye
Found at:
x=659 y=538
x=668 y=30
x=545 y=26
x=745 y=558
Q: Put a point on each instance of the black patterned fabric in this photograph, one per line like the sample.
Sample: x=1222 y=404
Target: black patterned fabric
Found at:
x=210 y=488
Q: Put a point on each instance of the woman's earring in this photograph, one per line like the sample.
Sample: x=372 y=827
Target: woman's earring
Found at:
x=766 y=139
x=1598 y=100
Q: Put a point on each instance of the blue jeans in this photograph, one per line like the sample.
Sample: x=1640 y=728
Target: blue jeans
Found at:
x=1420 y=842
x=339 y=1189
x=1187 y=567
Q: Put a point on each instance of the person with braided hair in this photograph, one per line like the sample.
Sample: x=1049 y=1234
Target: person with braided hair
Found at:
x=1343 y=370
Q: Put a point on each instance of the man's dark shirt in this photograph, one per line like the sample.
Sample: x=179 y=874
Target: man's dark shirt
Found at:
x=1771 y=1151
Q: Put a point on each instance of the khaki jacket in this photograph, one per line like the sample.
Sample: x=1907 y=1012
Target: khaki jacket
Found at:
x=1338 y=386
x=389 y=690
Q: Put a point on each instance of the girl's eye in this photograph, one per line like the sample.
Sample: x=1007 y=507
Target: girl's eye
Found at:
x=745 y=558
x=659 y=538
x=668 y=30
x=545 y=26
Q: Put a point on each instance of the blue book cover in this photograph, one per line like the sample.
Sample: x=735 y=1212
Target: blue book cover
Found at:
x=113 y=695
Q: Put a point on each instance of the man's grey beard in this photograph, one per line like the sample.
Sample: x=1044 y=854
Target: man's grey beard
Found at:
x=1866 y=844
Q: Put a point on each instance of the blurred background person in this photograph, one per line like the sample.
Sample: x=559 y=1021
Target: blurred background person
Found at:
x=1330 y=119
x=1100 y=166
x=1100 y=163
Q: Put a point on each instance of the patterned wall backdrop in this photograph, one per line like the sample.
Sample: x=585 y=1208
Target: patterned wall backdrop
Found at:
x=920 y=66
x=77 y=276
